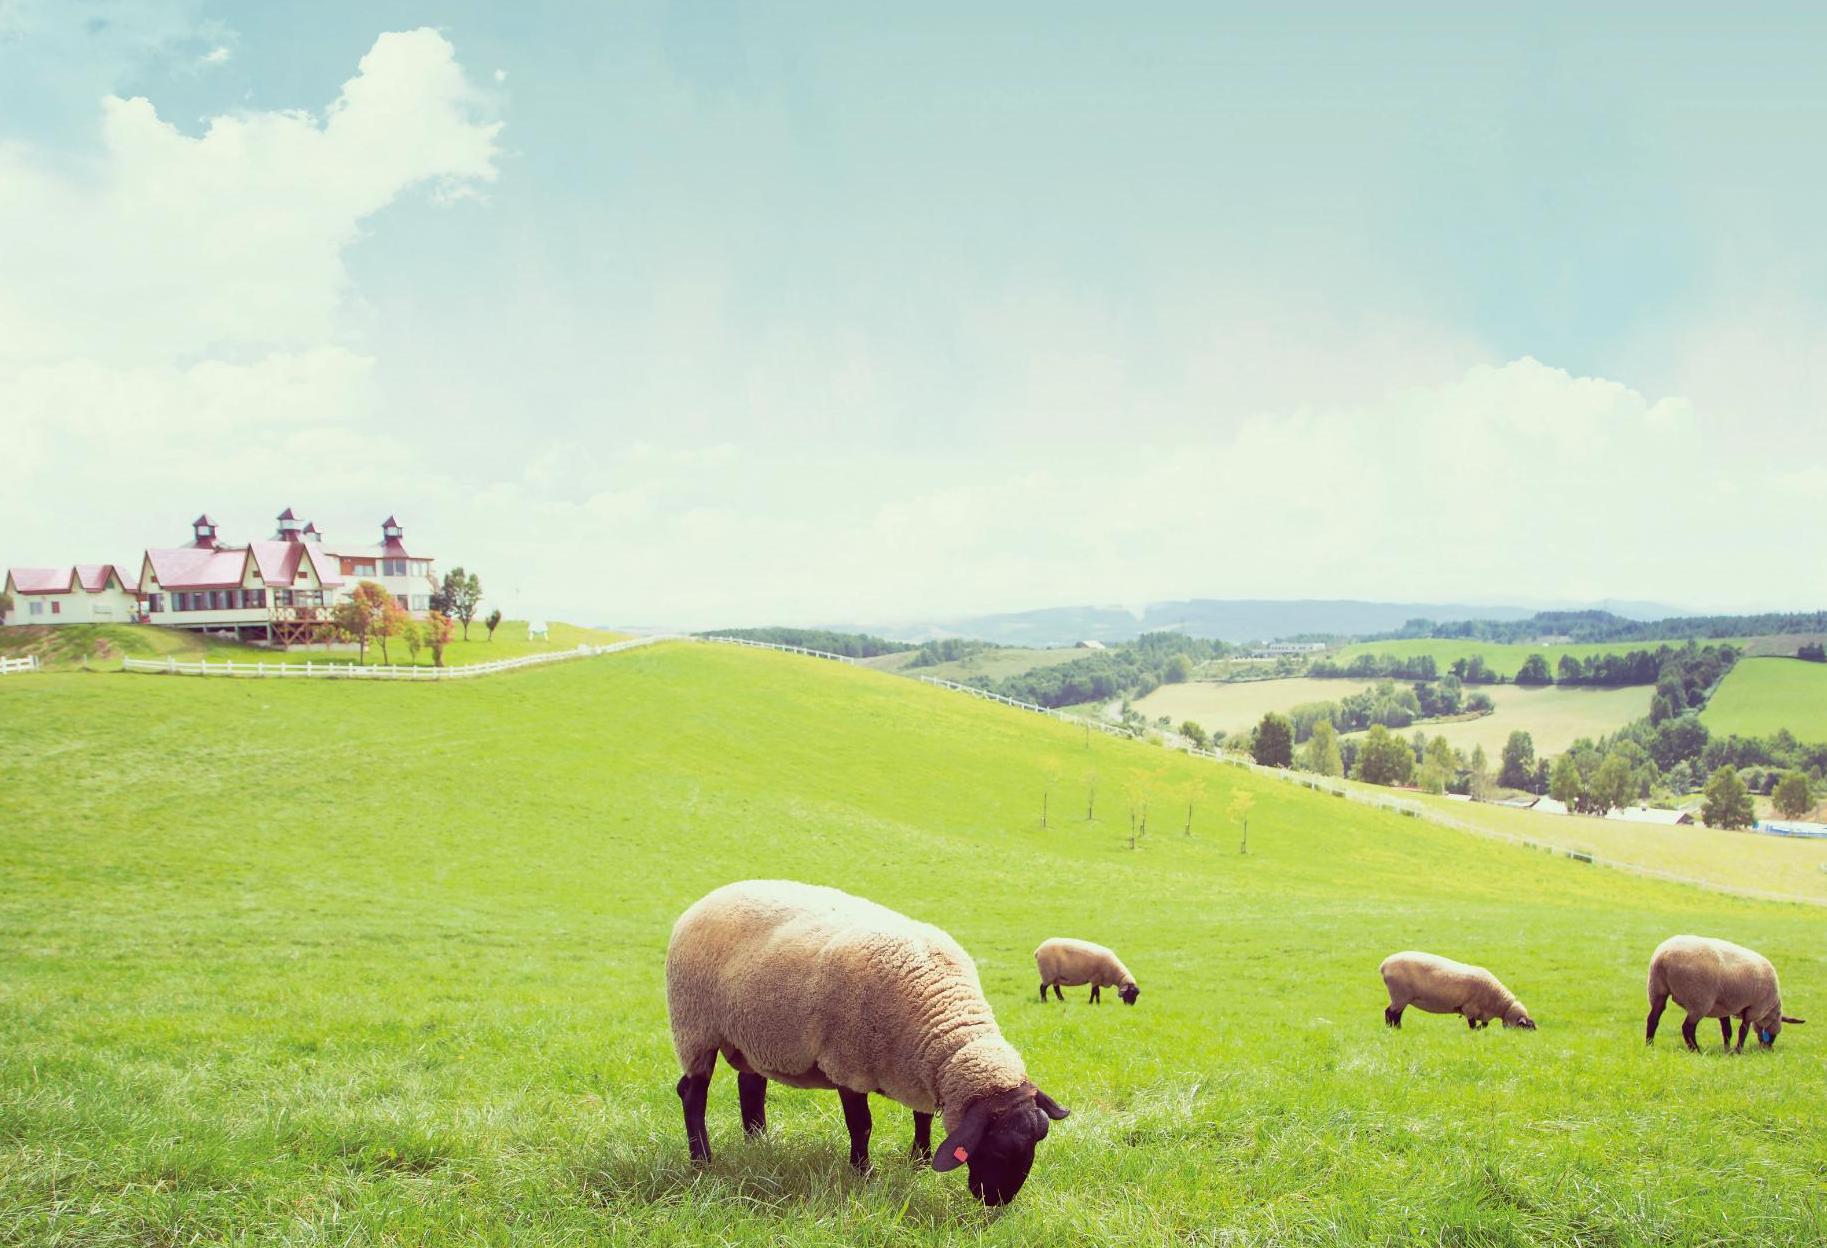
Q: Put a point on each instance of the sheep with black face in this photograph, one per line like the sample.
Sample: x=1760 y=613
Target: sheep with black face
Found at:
x=815 y=988
x=1712 y=978
x=1063 y=960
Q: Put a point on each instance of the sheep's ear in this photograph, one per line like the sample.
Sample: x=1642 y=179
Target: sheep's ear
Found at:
x=956 y=1148
x=1048 y=1106
x=1794 y=1022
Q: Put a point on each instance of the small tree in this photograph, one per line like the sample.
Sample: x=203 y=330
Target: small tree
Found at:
x=438 y=629
x=356 y=616
x=1610 y=786
x=1195 y=732
x=1178 y=671
x=1792 y=798
x=1241 y=801
x=1534 y=671
x=1518 y=761
x=1384 y=758
x=389 y=619
x=1480 y=785
x=1274 y=741
x=1728 y=802
x=6 y=604
x=412 y=636
x=1564 y=784
x=459 y=597
x=1322 y=750
x=493 y=622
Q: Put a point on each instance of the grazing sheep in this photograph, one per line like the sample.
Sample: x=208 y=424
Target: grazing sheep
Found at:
x=1442 y=986
x=1063 y=960
x=818 y=989
x=1715 y=979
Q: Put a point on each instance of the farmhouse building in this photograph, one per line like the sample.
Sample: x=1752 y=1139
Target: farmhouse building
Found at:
x=279 y=589
x=89 y=593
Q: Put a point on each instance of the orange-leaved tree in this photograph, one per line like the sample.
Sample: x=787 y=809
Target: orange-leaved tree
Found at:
x=438 y=630
x=358 y=617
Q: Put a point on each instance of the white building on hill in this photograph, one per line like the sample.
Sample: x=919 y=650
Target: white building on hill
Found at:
x=89 y=593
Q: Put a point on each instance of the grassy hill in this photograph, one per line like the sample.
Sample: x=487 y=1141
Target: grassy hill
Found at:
x=1759 y=697
x=103 y=645
x=383 y=963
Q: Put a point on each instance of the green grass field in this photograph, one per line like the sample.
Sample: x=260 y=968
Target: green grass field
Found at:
x=1759 y=697
x=1554 y=717
x=1500 y=657
x=996 y=664
x=364 y=964
x=103 y=645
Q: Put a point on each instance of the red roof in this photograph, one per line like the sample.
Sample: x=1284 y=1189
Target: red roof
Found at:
x=91 y=577
x=203 y=519
x=390 y=523
x=329 y=572
x=198 y=567
x=287 y=514
x=43 y=580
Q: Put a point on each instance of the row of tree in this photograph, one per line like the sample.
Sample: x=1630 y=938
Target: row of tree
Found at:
x=371 y=615
x=1124 y=669
x=1596 y=626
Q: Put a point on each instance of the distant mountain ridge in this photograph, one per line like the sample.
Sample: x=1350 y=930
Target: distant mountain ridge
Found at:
x=1232 y=619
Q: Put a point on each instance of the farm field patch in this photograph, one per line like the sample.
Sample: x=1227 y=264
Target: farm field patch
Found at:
x=1760 y=697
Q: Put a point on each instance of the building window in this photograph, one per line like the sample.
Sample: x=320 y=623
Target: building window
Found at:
x=420 y=602
x=56 y=607
x=393 y=567
x=37 y=608
x=282 y=597
x=401 y=599
x=155 y=602
x=254 y=598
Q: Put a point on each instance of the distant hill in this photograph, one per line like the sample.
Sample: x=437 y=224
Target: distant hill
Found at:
x=1240 y=619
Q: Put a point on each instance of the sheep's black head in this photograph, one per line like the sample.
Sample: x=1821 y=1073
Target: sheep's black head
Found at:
x=1129 y=993
x=1770 y=1026
x=996 y=1140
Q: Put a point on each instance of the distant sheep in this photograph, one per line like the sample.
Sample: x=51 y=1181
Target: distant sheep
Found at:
x=1715 y=979
x=818 y=989
x=1063 y=960
x=1442 y=986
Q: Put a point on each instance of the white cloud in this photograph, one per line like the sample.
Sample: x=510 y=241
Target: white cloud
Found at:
x=167 y=244
x=176 y=333
x=218 y=55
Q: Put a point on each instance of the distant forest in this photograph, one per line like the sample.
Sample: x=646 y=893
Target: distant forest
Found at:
x=1589 y=626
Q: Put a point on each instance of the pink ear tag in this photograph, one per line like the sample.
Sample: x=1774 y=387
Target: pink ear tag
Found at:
x=960 y=1154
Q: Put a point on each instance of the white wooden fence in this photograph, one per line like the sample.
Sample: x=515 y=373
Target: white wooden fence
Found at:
x=1103 y=726
x=28 y=664
x=773 y=645
x=310 y=669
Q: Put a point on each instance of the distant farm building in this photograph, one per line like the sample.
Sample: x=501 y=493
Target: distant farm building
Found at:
x=537 y=631
x=280 y=589
x=88 y=593
x=1286 y=649
x=1793 y=827
x=1090 y=645
x=1652 y=814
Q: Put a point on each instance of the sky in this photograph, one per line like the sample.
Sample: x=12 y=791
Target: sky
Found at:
x=710 y=314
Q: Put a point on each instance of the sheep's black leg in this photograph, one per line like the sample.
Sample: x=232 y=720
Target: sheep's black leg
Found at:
x=1095 y=999
x=923 y=1136
x=1656 y=1006
x=1392 y=1016
x=752 y=1091
x=1687 y=1032
x=856 y=1117
x=693 y=1091
x=1471 y=1024
x=1057 y=994
x=1725 y=1032
x=1744 y=1025
x=1043 y=992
